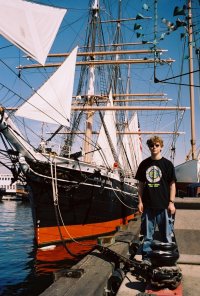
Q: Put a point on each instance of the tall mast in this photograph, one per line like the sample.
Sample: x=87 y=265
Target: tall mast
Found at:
x=89 y=119
x=191 y=81
x=117 y=41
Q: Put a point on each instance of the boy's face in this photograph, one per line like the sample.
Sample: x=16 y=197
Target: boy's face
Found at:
x=155 y=148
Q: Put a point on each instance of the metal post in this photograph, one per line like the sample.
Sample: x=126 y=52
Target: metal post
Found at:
x=191 y=82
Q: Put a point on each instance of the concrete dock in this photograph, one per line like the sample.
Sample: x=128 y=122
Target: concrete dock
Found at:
x=93 y=272
x=187 y=231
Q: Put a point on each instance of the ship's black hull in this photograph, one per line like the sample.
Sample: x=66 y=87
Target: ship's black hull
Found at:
x=91 y=206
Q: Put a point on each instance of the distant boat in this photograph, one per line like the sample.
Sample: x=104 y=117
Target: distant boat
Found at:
x=16 y=189
x=7 y=185
x=188 y=178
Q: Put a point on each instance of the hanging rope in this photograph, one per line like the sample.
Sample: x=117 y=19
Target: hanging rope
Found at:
x=56 y=208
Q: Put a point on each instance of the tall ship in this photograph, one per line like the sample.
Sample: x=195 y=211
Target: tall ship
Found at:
x=78 y=138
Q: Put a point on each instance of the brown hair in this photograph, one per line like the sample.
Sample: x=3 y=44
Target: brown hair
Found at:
x=155 y=139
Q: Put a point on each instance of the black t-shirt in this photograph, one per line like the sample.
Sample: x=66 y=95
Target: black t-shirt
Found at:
x=156 y=176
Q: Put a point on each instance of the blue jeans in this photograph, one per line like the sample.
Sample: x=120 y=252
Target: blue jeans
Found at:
x=149 y=220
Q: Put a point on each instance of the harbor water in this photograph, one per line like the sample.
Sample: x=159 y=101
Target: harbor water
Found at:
x=25 y=270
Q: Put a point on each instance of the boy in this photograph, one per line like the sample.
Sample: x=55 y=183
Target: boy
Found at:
x=156 y=193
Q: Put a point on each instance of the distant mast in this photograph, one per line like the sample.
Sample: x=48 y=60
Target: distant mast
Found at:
x=191 y=81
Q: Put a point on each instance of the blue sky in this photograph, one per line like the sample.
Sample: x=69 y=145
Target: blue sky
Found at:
x=72 y=33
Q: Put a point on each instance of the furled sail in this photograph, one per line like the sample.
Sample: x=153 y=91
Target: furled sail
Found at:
x=31 y=27
x=102 y=142
x=52 y=102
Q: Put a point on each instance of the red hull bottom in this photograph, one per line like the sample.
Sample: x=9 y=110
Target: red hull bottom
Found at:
x=57 y=257
x=51 y=235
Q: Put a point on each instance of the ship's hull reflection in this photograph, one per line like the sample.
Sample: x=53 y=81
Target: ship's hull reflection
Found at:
x=57 y=257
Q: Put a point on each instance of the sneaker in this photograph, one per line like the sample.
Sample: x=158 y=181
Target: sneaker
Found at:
x=146 y=262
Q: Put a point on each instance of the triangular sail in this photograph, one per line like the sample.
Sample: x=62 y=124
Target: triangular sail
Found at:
x=52 y=102
x=127 y=161
x=102 y=142
x=131 y=155
x=31 y=27
x=136 y=139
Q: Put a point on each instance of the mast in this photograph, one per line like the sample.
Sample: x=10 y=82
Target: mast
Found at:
x=89 y=118
x=191 y=82
x=94 y=62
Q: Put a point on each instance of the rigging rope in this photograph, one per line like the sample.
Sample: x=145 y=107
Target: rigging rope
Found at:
x=56 y=208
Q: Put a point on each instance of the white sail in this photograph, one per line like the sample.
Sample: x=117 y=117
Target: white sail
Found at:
x=31 y=27
x=136 y=139
x=131 y=155
x=52 y=102
x=127 y=160
x=102 y=142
